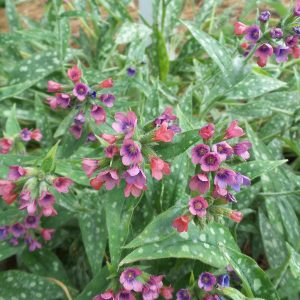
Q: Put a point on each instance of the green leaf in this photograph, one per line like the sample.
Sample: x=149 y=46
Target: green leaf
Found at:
x=294 y=261
x=7 y=250
x=12 y=15
x=181 y=143
x=255 y=281
x=48 y=163
x=12 y=127
x=45 y=263
x=235 y=294
x=28 y=286
x=254 y=169
x=129 y=32
x=65 y=124
x=93 y=231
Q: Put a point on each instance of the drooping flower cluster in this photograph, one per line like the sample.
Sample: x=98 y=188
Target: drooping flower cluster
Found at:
x=127 y=153
x=82 y=97
x=7 y=144
x=263 y=42
x=213 y=179
x=32 y=189
x=132 y=281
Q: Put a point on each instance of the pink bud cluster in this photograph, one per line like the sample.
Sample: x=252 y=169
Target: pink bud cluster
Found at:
x=32 y=189
x=127 y=153
x=213 y=180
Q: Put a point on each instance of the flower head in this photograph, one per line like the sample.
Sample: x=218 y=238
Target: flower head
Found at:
x=108 y=138
x=46 y=200
x=211 y=297
x=263 y=52
x=129 y=279
x=233 y=131
x=276 y=33
x=210 y=162
x=62 y=184
x=166 y=116
x=264 y=16
x=31 y=222
x=240 y=180
x=76 y=131
x=3 y=232
x=281 y=53
x=135 y=181
x=131 y=153
x=200 y=182
x=107 y=295
x=181 y=223
x=206 y=281
x=81 y=90
x=253 y=33
x=89 y=166
x=224 y=280
x=109 y=177
x=131 y=72
x=63 y=100
x=34 y=244
x=108 y=99
x=111 y=151
x=36 y=135
x=25 y=135
x=53 y=86
x=183 y=294
x=152 y=288
x=292 y=41
x=224 y=177
x=74 y=73
x=6 y=145
x=239 y=28
x=108 y=83
x=163 y=134
x=17 y=230
x=98 y=114
x=198 y=206
x=236 y=216
x=79 y=118
x=207 y=132
x=241 y=149
x=125 y=123
x=47 y=234
x=167 y=292
x=296 y=29
x=159 y=168
x=7 y=192
x=15 y=172
x=198 y=152
x=223 y=149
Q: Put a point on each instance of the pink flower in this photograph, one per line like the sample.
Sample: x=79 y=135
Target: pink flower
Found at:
x=6 y=145
x=159 y=168
x=36 y=135
x=296 y=52
x=107 y=295
x=125 y=295
x=233 y=131
x=181 y=223
x=125 y=123
x=135 y=182
x=152 y=288
x=62 y=184
x=200 y=182
x=53 y=86
x=163 y=134
x=167 y=292
x=76 y=131
x=207 y=132
x=241 y=149
x=236 y=216
x=131 y=153
x=80 y=91
x=89 y=166
x=98 y=114
x=7 y=191
x=108 y=83
x=223 y=149
x=109 y=177
x=263 y=52
x=49 y=211
x=197 y=206
x=74 y=73
x=52 y=101
x=111 y=151
x=239 y=28
x=15 y=172
x=130 y=281
x=47 y=234
x=210 y=162
x=63 y=100
x=108 y=138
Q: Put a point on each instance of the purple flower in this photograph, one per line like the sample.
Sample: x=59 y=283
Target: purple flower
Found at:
x=111 y=151
x=197 y=206
x=79 y=119
x=31 y=222
x=108 y=99
x=125 y=123
x=135 y=181
x=210 y=162
x=198 y=152
x=26 y=203
x=200 y=182
x=241 y=149
x=98 y=114
x=25 y=135
x=109 y=177
x=224 y=280
x=17 y=230
x=183 y=294
x=276 y=33
x=76 y=131
x=206 y=281
x=252 y=33
x=131 y=72
x=125 y=295
x=297 y=30
x=240 y=180
x=63 y=100
x=14 y=241
x=175 y=128
x=292 y=41
x=15 y=172
x=264 y=16
x=297 y=9
x=223 y=149
x=131 y=153
x=152 y=288
x=281 y=53
x=130 y=281
x=62 y=184
x=91 y=137
x=224 y=177
x=166 y=116
x=46 y=199
x=93 y=94
x=81 y=90
x=33 y=244
x=263 y=52
x=3 y=232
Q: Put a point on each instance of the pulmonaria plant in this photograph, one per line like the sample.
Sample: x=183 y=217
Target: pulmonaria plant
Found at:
x=214 y=183
x=11 y=143
x=263 y=41
x=130 y=151
x=32 y=191
x=88 y=100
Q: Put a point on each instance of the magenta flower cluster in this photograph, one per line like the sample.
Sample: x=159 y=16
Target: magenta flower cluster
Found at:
x=32 y=189
x=129 y=151
x=84 y=98
x=212 y=180
x=263 y=42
